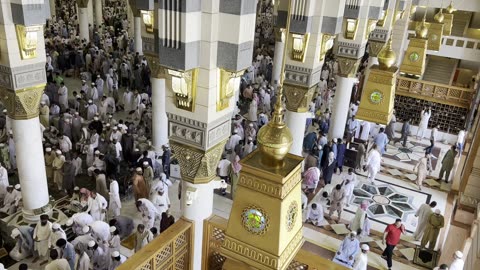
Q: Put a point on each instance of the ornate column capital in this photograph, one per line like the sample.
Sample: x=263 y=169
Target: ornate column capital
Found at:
x=297 y=97
x=347 y=67
x=374 y=47
x=279 y=34
x=83 y=3
x=197 y=166
x=154 y=64
x=23 y=103
x=133 y=7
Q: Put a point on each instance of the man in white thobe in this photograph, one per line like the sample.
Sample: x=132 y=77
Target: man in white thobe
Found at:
x=99 y=257
x=9 y=206
x=64 y=143
x=63 y=96
x=91 y=110
x=315 y=215
x=348 y=250
x=57 y=233
x=115 y=202
x=423 y=213
x=365 y=133
x=349 y=182
x=457 y=263
x=161 y=201
x=117 y=259
x=3 y=182
x=41 y=236
x=423 y=125
x=78 y=221
x=361 y=260
x=57 y=263
x=97 y=206
x=373 y=163
x=101 y=233
x=149 y=212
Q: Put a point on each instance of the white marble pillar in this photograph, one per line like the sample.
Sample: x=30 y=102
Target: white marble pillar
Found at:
x=197 y=211
x=90 y=12
x=159 y=114
x=31 y=166
x=296 y=123
x=83 y=21
x=341 y=103
x=98 y=12
x=277 y=61
x=137 y=25
x=52 y=8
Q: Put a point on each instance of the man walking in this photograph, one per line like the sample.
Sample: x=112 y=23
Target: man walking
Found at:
x=391 y=237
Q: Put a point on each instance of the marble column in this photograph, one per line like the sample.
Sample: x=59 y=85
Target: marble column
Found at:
x=137 y=25
x=29 y=152
x=159 y=114
x=90 y=12
x=52 y=8
x=83 y=23
x=278 y=56
x=296 y=123
x=341 y=104
x=98 y=12
x=198 y=183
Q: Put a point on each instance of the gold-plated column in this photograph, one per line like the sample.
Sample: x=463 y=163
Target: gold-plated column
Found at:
x=24 y=103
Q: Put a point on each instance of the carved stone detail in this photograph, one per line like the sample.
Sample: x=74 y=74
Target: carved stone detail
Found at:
x=197 y=166
x=22 y=104
x=297 y=97
x=23 y=76
x=268 y=187
x=374 y=47
x=347 y=67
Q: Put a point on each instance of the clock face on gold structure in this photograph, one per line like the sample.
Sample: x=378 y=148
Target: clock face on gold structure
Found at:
x=254 y=220
x=376 y=97
x=414 y=56
x=292 y=215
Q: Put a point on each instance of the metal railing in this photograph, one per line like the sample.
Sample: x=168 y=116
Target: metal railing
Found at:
x=437 y=92
x=170 y=250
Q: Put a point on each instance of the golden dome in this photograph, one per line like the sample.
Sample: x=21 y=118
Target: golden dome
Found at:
x=275 y=139
x=386 y=56
x=439 y=16
x=450 y=9
x=421 y=31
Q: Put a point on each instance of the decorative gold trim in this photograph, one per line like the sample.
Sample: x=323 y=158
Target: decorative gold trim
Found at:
x=371 y=25
x=435 y=34
x=228 y=82
x=326 y=45
x=347 y=67
x=148 y=19
x=240 y=251
x=277 y=190
x=292 y=215
x=279 y=34
x=417 y=67
x=299 y=54
x=381 y=21
x=245 y=220
x=27 y=37
x=197 y=166
x=24 y=103
x=187 y=80
x=374 y=47
x=297 y=97
x=447 y=24
x=350 y=28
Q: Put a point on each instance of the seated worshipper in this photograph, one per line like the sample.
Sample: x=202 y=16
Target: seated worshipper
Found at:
x=116 y=261
x=149 y=212
x=97 y=206
x=57 y=233
x=315 y=215
x=360 y=223
x=167 y=221
x=114 y=241
x=41 y=237
x=124 y=225
x=56 y=262
x=9 y=207
x=142 y=237
x=348 y=250
x=23 y=235
x=310 y=179
x=99 y=258
x=67 y=250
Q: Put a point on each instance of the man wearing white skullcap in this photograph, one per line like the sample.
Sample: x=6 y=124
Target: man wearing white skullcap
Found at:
x=161 y=201
x=115 y=202
x=9 y=205
x=348 y=250
x=24 y=243
x=99 y=256
x=85 y=237
x=114 y=241
x=361 y=260
x=117 y=260
x=147 y=175
x=57 y=166
x=49 y=158
x=458 y=262
x=57 y=233
x=149 y=212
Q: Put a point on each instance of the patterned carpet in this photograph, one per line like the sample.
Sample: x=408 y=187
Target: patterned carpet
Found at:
x=411 y=153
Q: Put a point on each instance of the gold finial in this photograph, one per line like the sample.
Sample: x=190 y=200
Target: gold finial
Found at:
x=387 y=57
x=422 y=30
x=439 y=16
x=275 y=139
x=450 y=9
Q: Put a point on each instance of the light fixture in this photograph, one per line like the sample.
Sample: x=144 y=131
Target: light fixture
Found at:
x=147 y=16
x=327 y=44
x=27 y=40
x=450 y=9
x=351 y=26
x=414 y=59
x=229 y=83
x=184 y=85
x=299 y=46
x=383 y=16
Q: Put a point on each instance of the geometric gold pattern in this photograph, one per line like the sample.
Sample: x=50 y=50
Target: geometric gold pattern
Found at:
x=374 y=47
x=297 y=97
x=347 y=67
x=24 y=103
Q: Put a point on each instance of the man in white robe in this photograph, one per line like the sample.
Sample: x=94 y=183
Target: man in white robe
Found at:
x=3 y=182
x=83 y=262
x=315 y=215
x=348 y=250
x=9 y=200
x=423 y=125
x=127 y=101
x=161 y=201
x=41 y=236
x=63 y=96
x=349 y=182
x=117 y=260
x=358 y=223
x=91 y=110
x=101 y=233
x=56 y=262
x=57 y=233
x=97 y=206
x=149 y=212
x=365 y=133
x=78 y=221
x=457 y=263
x=373 y=163
x=99 y=257
x=361 y=260
x=115 y=202
x=423 y=213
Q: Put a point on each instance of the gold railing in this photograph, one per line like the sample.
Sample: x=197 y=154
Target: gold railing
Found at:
x=435 y=92
x=214 y=233
x=170 y=250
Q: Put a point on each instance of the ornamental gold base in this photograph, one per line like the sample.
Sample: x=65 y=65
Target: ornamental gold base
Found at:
x=414 y=60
